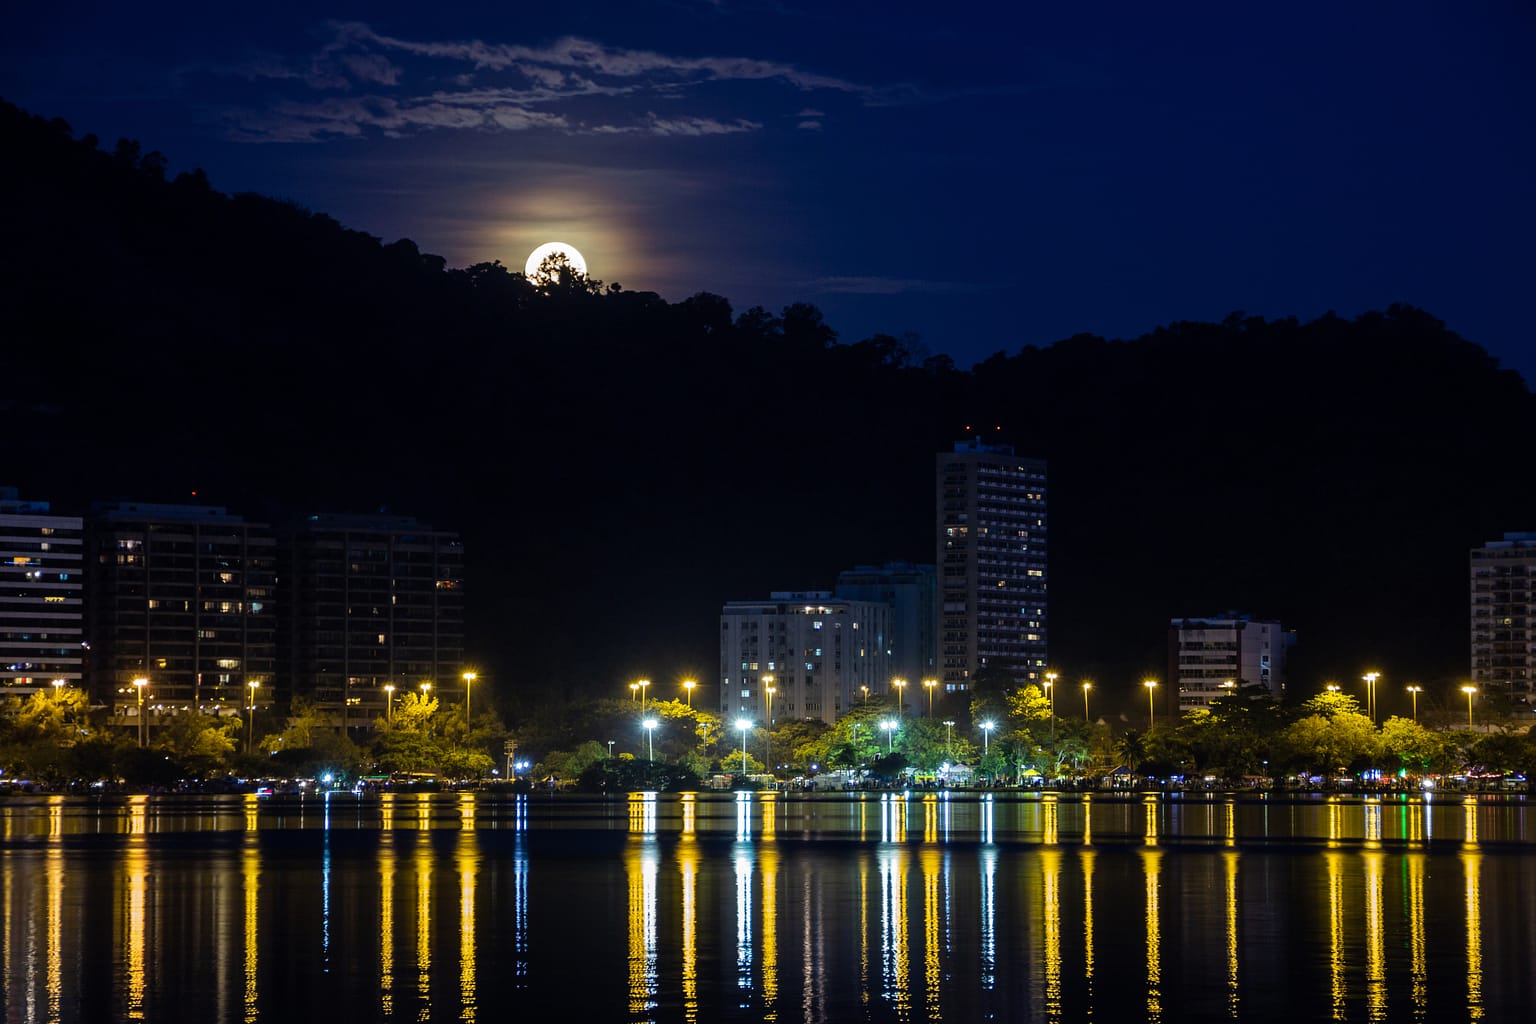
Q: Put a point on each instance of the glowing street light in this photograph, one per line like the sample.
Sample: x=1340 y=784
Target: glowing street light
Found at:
x=743 y=724
x=1151 y=685
x=1086 y=687
x=389 y=703
x=900 y=686
x=650 y=732
x=469 y=681
x=250 y=725
x=949 y=737
x=1469 y=691
x=634 y=691
x=1050 y=696
x=986 y=736
x=929 y=685
x=1413 y=694
x=688 y=685
x=58 y=684
x=426 y=691
x=1370 y=694
x=641 y=684
x=1332 y=687
x=890 y=734
x=865 y=689
x=141 y=683
x=769 y=692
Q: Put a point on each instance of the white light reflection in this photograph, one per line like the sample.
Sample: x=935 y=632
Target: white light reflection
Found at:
x=989 y=918
x=894 y=955
x=986 y=818
x=743 y=915
x=743 y=816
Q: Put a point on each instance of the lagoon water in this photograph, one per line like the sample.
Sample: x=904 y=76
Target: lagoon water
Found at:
x=761 y=907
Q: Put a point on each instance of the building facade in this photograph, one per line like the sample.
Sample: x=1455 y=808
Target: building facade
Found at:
x=1211 y=657
x=818 y=653
x=911 y=591
x=991 y=550
x=42 y=579
x=1503 y=626
x=374 y=609
x=184 y=598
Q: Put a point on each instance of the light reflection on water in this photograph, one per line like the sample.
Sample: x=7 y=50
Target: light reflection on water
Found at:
x=764 y=907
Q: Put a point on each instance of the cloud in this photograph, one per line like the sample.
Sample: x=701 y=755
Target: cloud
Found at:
x=349 y=117
x=370 y=67
x=698 y=126
x=810 y=126
x=874 y=285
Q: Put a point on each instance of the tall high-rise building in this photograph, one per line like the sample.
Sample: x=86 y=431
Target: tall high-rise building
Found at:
x=374 y=609
x=42 y=624
x=183 y=597
x=1210 y=657
x=912 y=593
x=817 y=652
x=1504 y=617
x=991 y=563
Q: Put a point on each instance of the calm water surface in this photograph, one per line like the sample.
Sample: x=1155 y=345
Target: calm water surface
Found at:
x=718 y=907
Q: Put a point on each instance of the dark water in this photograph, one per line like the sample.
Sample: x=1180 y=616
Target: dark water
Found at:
x=444 y=907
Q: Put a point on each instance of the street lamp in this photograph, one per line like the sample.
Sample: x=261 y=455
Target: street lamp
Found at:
x=1050 y=696
x=1370 y=694
x=141 y=683
x=642 y=684
x=1086 y=687
x=1413 y=694
x=688 y=685
x=949 y=737
x=929 y=685
x=426 y=691
x=650 y=744
x=865 y=689
x=250 y=726
x=769 y=692
x=389 y=703
x=743 y=725
x=890 y=734
x=900 y=686
x=634 y=690
x=469 y=680
x=610 y=750
x=1332 y=687
x=1150 y=684
x=1469 y=691
x=986 y=736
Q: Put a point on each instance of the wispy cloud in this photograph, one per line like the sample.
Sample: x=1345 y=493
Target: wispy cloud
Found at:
x=874 y=285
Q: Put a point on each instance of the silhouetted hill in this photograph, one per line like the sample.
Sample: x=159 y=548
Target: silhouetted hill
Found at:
x=621 y=465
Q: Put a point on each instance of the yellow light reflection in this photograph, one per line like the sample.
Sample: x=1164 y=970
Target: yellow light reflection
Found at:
x=1049 y=825
x=387 y=812
x=1415 y=824
x=1087 y=819
x=423 y=811
x=1335 y=822
x=53 y=882
x=424 y=926
x=1150 y=864
x=931 y=862
x=251 y=805
x=1472 y=864
x=1375 y=938
x=1150 y=802
x=1087 y=861
x=467 y=812
x=770 y=815
x=1050 y=908
x=1229 y=830
x=864 y=930
x=250 y=878
x=387 y=922
x=930 y=818
x=1469 y=816
x=642 y=813
x=641 y=862
x=55 y=817
x=1335 y=863
x=768 y=866
x=689 y=816
x=1372 y=815
x=1418 y=961
x=469 y=867
x=136 y=868
x=1234 y=993
x=688 y=865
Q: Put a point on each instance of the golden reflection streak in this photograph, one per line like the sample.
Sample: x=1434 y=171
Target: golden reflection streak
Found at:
x=1372 y=815
x=251 y=805
x=1229 y=832
x=1375 y=938
x=1472 y=864
x=932 y=865
x=641 y=861
x=386 y=812
x=864 y=930
x=1469 y=815
x=54 y=885
x=770 y=815
x=690 y=811
x=469 y=866
x=1335 y=825
x=930 y=818
x=1335 y=865
x=424 y=811
x=467 y=812
x=136 y=867
x=1151 y=863
x=1150 y=802
x=1234 y=992
x=1418 y=961
x=387 y=922
x=424 y=925
x=250 y=878
x=1048 y=829
x=1050 y=905
x=1087 y=819
x=768 y=866
x=1414 y=826
x=1087 y=857
x=688 y=865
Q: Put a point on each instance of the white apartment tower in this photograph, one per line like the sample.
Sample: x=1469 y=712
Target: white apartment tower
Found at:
x=992 y=564
x=42 y=623
x=816 y=652
x=1504 y=617
x=1211 y=657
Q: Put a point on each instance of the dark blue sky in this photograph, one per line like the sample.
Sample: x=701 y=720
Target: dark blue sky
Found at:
x=982 y=175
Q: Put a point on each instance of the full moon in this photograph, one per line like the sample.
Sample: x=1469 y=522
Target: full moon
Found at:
x=548 y=249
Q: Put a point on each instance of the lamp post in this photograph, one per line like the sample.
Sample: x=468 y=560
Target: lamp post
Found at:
x=1050 y=697
x=1332 y=687
x=610 y=750
x=469 y=681
x=890 y=734
x=949 y=737
x=769 y=692
x=900 y=686
x=389 y=703
x=634 y=691
x=642 y=684
x=1370 y=694
x=426 y=691
x=743 y=725
x=140 y=683
x=930 y=685
x=1086 y=687
x=250 y=726
x=1413 y=694
x=1150 y=684
x=1469 y=691
x=986 y=736
x=865 y=690
x=688 y=685
x=650 y=733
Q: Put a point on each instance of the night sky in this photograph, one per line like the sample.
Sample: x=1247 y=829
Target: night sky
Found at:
x=983 y=176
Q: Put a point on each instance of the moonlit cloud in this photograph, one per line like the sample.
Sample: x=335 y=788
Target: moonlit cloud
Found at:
x=872 y=285
x=699 y=126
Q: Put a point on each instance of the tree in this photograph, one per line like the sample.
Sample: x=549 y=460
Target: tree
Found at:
x=201 y=742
